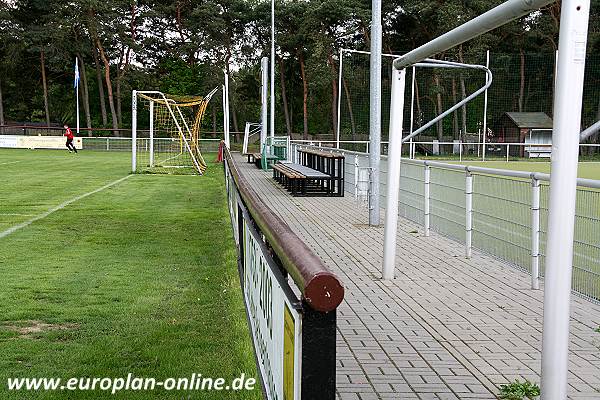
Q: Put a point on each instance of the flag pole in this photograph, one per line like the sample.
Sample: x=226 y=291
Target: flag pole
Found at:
x=77 y=91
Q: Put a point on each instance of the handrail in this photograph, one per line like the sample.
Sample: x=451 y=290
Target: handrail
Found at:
x=322 y=289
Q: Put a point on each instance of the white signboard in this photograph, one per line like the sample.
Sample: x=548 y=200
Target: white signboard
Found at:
x=38 y=142
x=275 y=324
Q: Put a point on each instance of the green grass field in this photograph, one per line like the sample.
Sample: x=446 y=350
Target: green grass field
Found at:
x=138 y=278
x=588 y=169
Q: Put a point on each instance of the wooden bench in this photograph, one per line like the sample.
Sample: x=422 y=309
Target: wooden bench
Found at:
x=303 y=181
x=256 y=158
x=330 y=163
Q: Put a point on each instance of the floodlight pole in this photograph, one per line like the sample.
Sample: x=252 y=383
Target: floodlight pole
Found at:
x=563 y=188
x=375 y=114
x=272 y=92
x=339 y=104
x=393 y=172
x=485 y=104
x=264 y=67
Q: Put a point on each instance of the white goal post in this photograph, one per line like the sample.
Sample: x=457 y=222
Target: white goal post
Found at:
x=170 y=135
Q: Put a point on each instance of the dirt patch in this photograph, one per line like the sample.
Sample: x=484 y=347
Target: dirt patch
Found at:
x=27 y=329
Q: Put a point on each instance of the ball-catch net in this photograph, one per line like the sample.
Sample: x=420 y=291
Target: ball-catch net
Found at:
x=168 y=132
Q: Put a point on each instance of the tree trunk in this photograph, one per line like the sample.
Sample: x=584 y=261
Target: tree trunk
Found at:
x=349 y=103
x=304 y=96
x=234 y=116
x=214 y=120
x=455 y=113
x=45 y=85
x=522 y=84
x=111 y=102
x=1 y=108
x=334 y=94
x=85 y=94
x=286 y=112
x=439 y=124
x=100 y=87
x=119 y=114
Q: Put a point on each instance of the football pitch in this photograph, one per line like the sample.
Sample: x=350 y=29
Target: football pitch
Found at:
x=106 y=274
x=586 y=169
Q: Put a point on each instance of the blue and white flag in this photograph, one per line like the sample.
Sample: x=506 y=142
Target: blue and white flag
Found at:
x=76 y=84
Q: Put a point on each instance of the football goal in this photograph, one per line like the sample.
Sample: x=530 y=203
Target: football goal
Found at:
x=166 y=132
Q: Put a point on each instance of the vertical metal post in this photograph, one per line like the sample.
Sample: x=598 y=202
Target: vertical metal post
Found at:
x=77 y=91
x=226 y=110
x=264 y=68
x=356 y=164
x=460 y=151
x=107 y=145
x=151 y=134
x=393 y=172
x=339 y=104
x=375 y=115
x=133 y=130
x=535 y=234
x=563 y=186
x=487 y=65
x=272 y=91
x=426 y=196
x=469 y=214
x=507 y=151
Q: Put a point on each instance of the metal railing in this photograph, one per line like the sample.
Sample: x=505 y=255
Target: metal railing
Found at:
x=124 y=143
x=508 y=211
x=467 y=150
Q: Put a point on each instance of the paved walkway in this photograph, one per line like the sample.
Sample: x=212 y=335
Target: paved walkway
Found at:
x=447 y=327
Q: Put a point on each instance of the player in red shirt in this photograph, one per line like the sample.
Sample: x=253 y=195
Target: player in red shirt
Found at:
x=69 y=135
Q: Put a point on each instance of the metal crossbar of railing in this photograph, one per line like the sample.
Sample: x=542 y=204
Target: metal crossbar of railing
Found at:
x=509 y=212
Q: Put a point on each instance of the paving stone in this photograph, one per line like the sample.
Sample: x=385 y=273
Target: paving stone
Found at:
x=446 y=327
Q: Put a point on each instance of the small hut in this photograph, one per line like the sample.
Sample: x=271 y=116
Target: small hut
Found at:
x=534 y=129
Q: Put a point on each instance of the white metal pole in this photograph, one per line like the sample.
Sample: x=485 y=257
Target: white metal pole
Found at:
x=412 y=113
x=339 y=104
x=272 y=91
x=507 y=151
x=393 y=172
x=535 y=234
x=485 y=103
x=133 y=130
x=226 y=110
x=264 y=98
x=375 y=114
x=356 y=177
x=426 y=197
x=563 y=186
x=494 y=18
x=151 y=133
x=77 y=93
x=469 y=214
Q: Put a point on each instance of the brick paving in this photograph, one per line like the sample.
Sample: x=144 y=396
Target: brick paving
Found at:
x=447 y=327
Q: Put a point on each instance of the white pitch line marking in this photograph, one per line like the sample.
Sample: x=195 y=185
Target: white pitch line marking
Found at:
x=59 y=207
x=11 y=162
